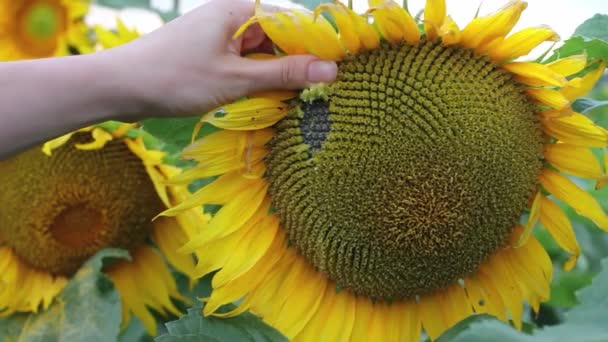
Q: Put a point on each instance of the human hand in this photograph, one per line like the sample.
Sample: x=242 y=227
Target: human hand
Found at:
x=192 y=65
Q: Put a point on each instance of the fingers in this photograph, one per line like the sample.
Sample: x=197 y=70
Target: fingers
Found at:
x=253 y=37
x=291 y=72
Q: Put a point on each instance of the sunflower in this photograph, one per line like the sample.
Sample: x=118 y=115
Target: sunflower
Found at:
x=122 y=35
x=42 y=28
x=93 y=190
x=402 y=196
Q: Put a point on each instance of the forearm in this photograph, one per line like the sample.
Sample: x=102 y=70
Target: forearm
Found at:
x=41 y=99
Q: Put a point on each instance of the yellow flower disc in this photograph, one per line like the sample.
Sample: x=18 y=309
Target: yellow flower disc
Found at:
x=40 y=23
x=68 y=206
x=412 y=173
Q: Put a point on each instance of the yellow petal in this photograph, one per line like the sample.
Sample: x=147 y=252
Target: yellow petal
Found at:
x=558 y=224
x=406 y=319
x=169 y=237
x=320 y=37
x=602 y=182
x=51 y=145
x=535 y=74
x=484 y=298
x=449 y=32
x=394 y=23
x=522 y=42
x=434 y=17
x=497 y=273
x=295 y=275
x=305 y=309
x=238 y=287
x=221 y=164
x=222 y=142
x=265 y=294
x=556 y=114
x=236 y=213
x=456 y=305
x=533 y=250
x=528 y=281
x=220 y=191
x=100 y=138
x=568 y=65
x=484 y=49
x=432 y=314
x=351 y=27
x=130 y=298
x=249 y=114
x=148 y=157
x=279 y=27
x=151 y=281
x=296 y=32
x=584 y=84
x=575 y=160
x=580 y=200
x=532 y=219
x=366 y=32
x=575 y=129
x=548 y=97
x=250 y=249
x=530 y=275
x=482 y=30
x=334 y=318
x=216 y=143
x=212 y=255
x=364 y=309
x=377 y=329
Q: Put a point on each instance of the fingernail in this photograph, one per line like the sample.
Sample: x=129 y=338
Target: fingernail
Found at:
x=322 y=71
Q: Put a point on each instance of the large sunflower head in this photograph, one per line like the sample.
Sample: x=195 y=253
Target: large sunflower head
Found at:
x=91 y=190
x=402 y=196
x=41 y=28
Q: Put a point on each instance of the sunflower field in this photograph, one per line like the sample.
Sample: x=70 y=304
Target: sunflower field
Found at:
x=448 y=186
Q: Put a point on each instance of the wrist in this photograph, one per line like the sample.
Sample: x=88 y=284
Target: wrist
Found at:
x=117 y=85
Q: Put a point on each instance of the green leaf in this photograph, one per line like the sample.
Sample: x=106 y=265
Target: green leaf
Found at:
x=88 y=309
x=594 y=27
x=590 y=37
x=135 y=332
x=195 y=327
x=483 y=328
x=585 y=322
x=175 y=132
x=593 y=47
x=564 y=287
x=585 y=104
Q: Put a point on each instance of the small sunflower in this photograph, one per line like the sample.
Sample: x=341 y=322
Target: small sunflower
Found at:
x=109 y=39
x=395 y=199
x=93 y=190
x=42 y=28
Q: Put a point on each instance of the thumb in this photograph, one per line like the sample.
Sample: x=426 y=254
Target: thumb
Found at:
x=290 y=72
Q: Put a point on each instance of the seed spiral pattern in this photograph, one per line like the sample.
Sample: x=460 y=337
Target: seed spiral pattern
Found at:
x=413 y=172
x=58 y=211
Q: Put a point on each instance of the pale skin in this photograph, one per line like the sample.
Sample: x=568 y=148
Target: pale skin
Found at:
x=187 y=67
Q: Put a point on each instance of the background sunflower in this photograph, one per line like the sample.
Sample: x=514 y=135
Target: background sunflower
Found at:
x=88 y=191
x=42 y=28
